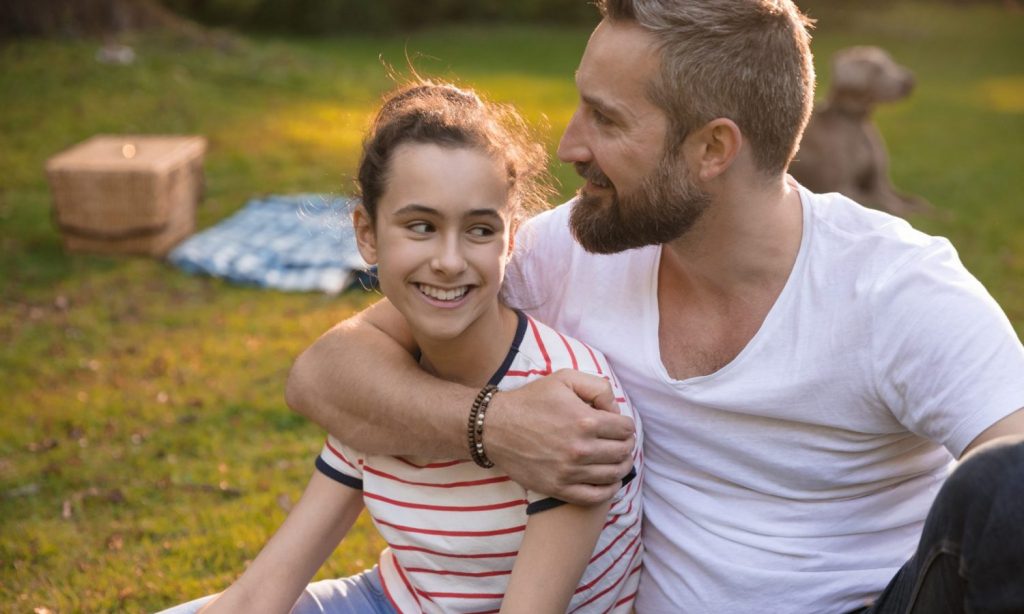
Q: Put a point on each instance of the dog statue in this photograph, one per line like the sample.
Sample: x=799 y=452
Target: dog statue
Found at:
x=842 y=150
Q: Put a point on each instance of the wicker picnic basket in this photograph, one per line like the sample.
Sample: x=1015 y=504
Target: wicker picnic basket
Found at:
x=127 y=194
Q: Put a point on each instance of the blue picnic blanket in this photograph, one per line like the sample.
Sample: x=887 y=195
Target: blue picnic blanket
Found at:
x=297 y=242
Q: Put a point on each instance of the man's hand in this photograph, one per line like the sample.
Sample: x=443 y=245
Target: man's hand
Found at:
x=563 y=436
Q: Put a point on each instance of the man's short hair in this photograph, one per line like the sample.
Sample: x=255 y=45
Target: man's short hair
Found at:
x=746 y=60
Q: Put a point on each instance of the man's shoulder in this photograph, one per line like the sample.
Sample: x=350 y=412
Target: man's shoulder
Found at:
x=845 y=233
x=549 y=267
x=551 y=221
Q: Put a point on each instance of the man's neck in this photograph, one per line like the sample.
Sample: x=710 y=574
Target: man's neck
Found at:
x=717 y=284
x=746 y=242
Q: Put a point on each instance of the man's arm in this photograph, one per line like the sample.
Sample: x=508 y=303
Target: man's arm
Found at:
x=1010 y=426
x=360 y=382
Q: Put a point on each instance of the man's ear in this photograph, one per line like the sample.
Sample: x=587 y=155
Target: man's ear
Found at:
x=366 y=235
x=713 y=147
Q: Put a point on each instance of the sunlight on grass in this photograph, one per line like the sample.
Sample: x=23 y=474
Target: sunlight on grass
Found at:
x=318 y=127
x=1003 y=94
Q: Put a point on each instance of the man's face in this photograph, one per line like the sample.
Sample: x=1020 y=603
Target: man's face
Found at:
x=636 y=193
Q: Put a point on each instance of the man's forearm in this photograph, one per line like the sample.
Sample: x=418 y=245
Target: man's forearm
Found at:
x=362 y=386
x=360 y=382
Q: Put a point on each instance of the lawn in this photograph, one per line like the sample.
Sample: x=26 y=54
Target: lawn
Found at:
x=146 y=452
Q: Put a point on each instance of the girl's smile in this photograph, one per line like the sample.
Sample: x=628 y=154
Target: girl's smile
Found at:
x=444 y=297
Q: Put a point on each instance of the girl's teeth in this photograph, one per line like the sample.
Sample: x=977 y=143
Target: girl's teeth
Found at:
x=442 y=294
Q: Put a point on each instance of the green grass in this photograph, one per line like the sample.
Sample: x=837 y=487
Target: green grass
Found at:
x=146 y=452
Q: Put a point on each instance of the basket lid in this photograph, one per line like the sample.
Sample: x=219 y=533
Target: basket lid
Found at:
x=129 y=152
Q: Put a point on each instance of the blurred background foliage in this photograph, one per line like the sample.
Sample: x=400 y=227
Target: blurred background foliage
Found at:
x=320 y=17
x=333 y=16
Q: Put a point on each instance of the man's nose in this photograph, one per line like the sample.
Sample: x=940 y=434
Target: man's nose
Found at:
x=572 y=147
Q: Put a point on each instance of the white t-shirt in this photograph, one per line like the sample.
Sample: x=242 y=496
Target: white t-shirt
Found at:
x=797 y=477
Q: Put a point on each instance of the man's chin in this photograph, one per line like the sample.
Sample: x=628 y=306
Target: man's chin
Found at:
x=595 y=199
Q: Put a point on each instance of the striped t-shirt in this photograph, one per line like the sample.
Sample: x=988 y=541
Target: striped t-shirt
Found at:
x=453 y=529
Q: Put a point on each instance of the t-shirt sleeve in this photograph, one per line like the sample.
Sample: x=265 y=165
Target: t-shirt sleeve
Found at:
x=341 y=463
x=947 y=360
x=540 y=263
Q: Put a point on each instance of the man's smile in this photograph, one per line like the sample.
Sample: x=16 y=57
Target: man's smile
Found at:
x=593 y=175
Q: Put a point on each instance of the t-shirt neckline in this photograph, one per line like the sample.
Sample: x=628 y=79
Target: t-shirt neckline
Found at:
x=653 y=313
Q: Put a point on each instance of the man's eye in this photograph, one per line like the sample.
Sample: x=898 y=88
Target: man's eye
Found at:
x=601 y=118
x=420 y=227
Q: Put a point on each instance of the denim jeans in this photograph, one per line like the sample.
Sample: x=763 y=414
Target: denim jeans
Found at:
x=971 y=555
x=358 y=594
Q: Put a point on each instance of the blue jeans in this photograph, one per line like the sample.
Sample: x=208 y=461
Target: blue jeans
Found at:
x=358 y=594
x=971 y=555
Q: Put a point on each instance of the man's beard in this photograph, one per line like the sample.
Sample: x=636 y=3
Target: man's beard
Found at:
x=664 y=207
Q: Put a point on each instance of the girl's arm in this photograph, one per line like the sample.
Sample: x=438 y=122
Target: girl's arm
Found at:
x=556 y=548
x=312 y=530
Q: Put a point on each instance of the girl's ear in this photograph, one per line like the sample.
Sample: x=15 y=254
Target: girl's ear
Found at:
x=366 y=236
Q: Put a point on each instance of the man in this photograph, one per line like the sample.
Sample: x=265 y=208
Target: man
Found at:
x=806 y=369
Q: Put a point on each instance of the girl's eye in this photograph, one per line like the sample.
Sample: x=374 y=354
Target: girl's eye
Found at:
x=481 y=231
x=420 y=227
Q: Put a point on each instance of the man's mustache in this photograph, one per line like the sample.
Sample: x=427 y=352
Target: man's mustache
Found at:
x=593 y=174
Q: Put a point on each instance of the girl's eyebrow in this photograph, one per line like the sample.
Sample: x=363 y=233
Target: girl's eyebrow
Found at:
x=415 y=208
x=483 y=213
x=418 y=208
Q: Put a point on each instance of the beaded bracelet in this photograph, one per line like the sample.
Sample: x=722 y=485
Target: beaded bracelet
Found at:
x=475 y=429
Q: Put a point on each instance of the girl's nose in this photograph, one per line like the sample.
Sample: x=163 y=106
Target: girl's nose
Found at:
x=449 y=259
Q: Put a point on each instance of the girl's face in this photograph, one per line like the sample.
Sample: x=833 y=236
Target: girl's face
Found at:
x=441 y=238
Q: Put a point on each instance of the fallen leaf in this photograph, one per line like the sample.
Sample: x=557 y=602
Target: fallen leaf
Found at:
x=115 y=542
x=42 y=446
x=284 y=502
x=25 y=490
x=158 y=367
x=65 y=510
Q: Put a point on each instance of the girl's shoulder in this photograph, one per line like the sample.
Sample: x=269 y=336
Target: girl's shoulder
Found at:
x=540 y=350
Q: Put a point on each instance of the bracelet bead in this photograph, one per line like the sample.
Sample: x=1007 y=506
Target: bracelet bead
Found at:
x=475 y=426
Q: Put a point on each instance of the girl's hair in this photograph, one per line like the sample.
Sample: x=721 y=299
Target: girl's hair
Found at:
x=443 y=114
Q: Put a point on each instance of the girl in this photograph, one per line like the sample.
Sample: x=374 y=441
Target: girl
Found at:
x=444 y=178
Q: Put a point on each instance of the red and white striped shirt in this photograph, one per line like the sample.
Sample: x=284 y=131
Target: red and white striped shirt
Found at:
x=454 y=529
